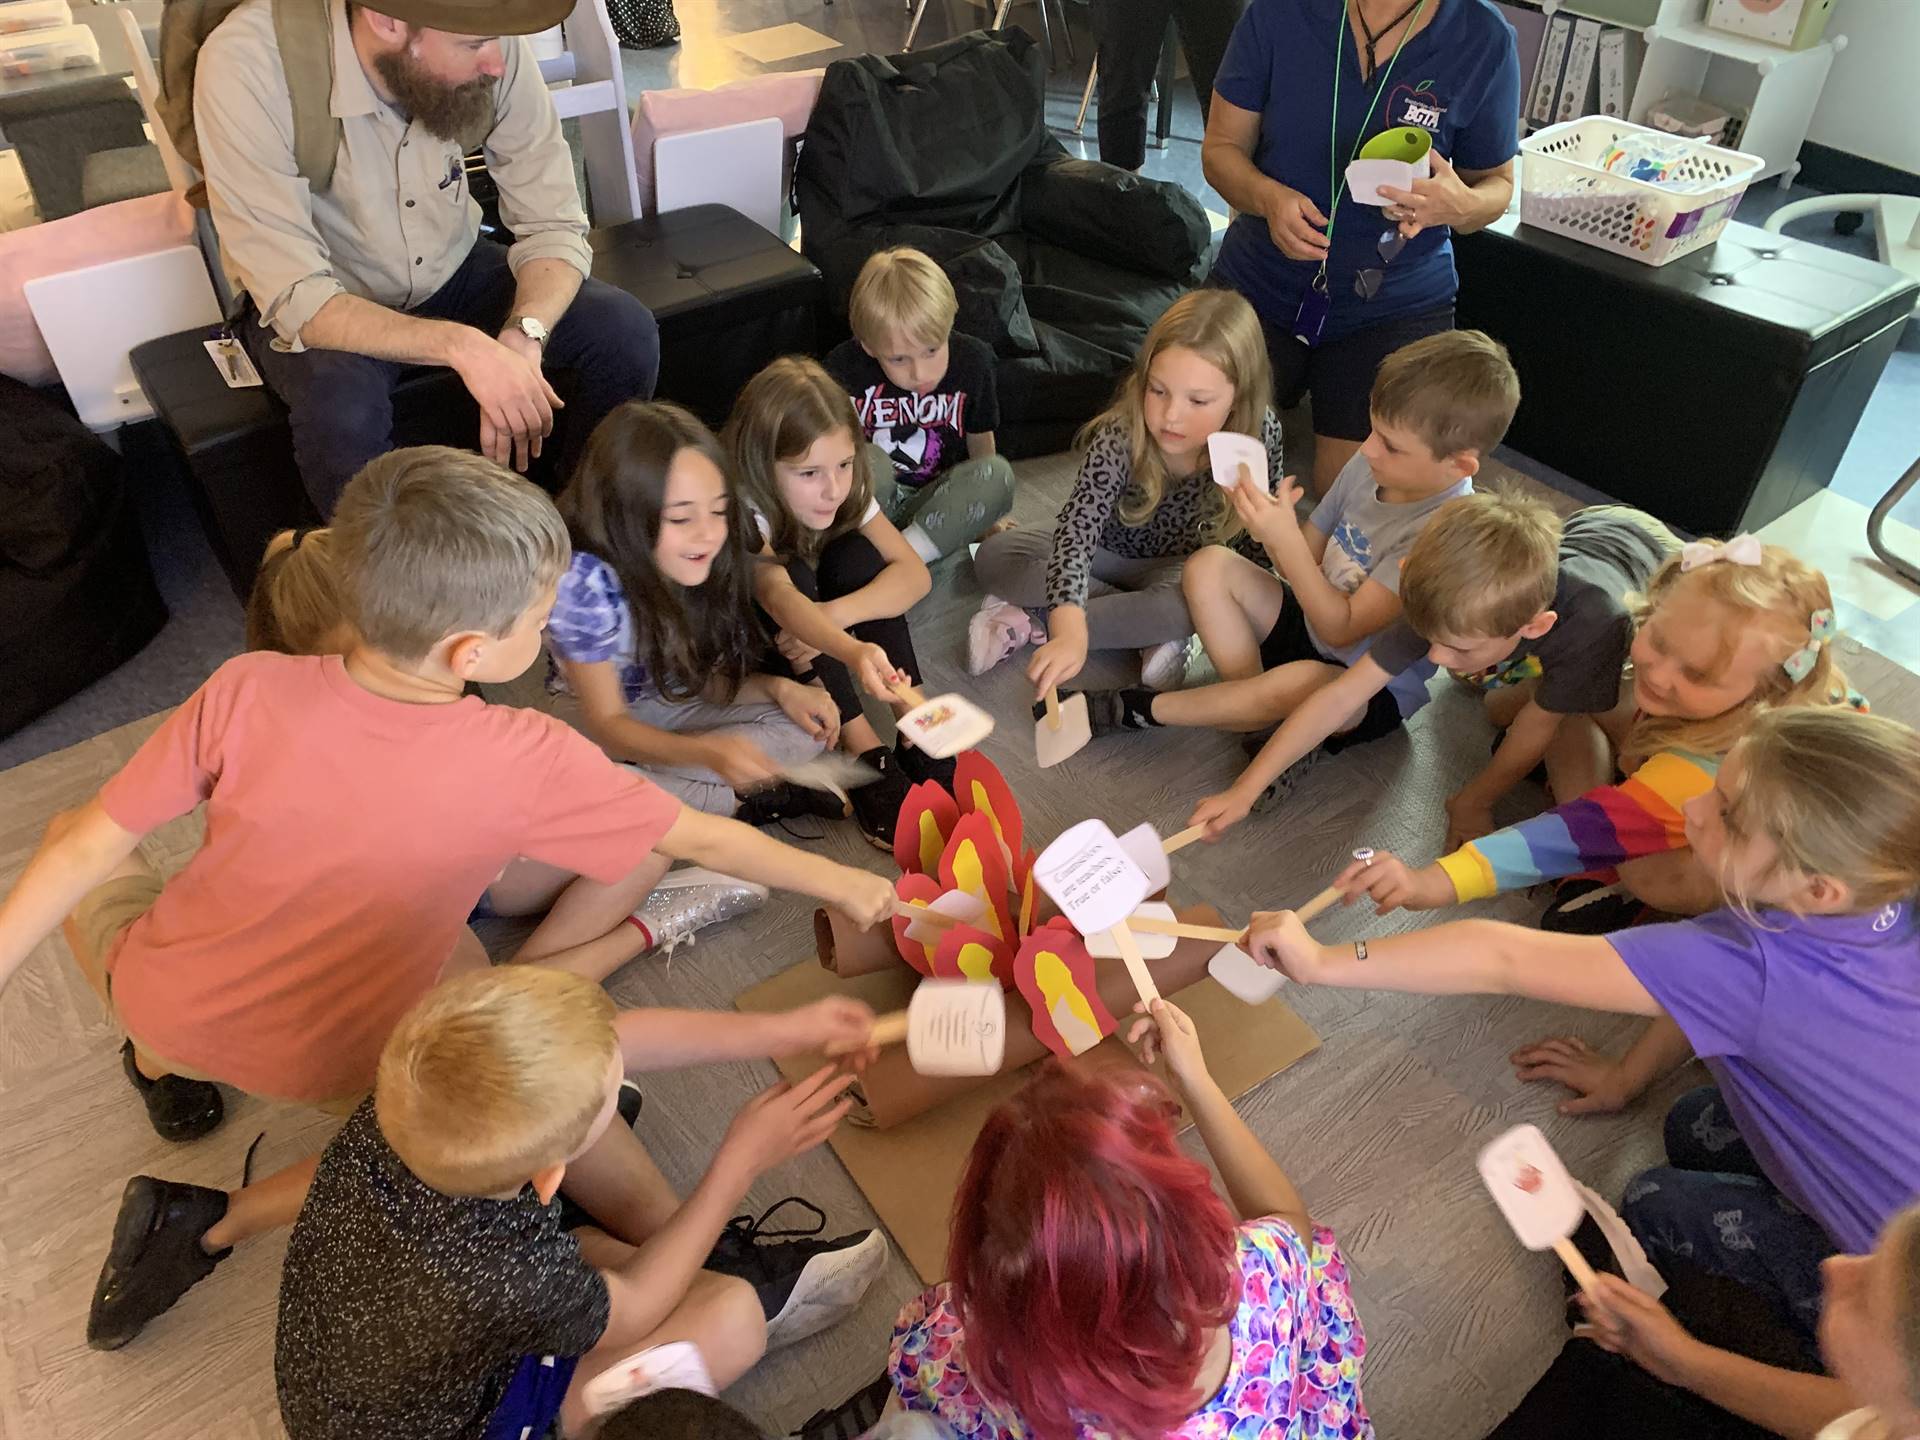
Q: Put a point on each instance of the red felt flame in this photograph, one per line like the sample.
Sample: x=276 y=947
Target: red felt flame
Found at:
x=911 y=888
x=973 y=862
x=980 y=788
x=926 y=820
x=961 y=953
x=1053 y=966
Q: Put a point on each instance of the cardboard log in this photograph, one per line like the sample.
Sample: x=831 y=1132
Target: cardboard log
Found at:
x=847 y=950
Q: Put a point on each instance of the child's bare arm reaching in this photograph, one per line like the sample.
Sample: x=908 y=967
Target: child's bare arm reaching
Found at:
x=1467 y=957
x=1602 y=1084
x=1316 y=717
x=80 y=849
x=1338 y=618
x=740 y=850
x=1255 y=1183
x=804 y=618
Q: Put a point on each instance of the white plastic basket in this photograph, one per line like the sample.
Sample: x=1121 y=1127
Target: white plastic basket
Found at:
x=1565 y=188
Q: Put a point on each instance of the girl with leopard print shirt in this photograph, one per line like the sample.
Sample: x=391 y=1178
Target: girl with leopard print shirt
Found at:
x=1108 y=574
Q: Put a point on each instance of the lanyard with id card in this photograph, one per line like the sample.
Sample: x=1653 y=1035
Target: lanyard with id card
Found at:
x=1310 y=320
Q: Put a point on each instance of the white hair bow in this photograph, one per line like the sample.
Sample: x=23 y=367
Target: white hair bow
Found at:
x=1741 y=550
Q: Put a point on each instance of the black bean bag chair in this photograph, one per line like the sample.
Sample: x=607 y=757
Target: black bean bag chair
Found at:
x=1060 y=264
x=77 y=596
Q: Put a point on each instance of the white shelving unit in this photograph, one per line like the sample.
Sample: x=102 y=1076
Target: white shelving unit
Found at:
x=1777 y=89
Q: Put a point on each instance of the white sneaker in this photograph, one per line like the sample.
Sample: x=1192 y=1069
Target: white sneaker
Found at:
x=691 y=898
x=1164 y=667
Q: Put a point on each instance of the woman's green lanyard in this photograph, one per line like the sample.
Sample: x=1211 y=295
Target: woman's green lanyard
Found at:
x=1312 y=318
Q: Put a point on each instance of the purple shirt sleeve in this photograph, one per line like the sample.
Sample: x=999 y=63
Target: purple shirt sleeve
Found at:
x=1709 y=974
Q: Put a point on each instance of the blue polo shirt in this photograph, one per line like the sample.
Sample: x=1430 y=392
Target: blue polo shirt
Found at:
x=1458 y=79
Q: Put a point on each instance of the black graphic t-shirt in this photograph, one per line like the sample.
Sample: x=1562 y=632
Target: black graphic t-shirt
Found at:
x=924 y=435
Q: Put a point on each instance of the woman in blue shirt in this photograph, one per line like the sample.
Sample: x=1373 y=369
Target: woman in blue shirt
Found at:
x=1339 y=285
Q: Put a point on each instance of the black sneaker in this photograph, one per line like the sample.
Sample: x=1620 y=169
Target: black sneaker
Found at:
x=573 y=1216
x=876 y=804
x=804 y=1284
x=783 y=800
x=155 y=1257
x=180 y=1109
x=1289 y=780
x=852 y=1417
x=1589 y=907
x=918 y=766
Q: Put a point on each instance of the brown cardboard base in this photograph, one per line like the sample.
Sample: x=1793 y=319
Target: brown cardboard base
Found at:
x=909 y=1173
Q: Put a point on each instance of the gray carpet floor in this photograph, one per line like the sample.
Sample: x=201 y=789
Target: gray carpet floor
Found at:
x=1379 y=1127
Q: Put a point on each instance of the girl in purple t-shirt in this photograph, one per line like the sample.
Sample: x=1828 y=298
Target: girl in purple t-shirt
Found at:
x=1802 y=998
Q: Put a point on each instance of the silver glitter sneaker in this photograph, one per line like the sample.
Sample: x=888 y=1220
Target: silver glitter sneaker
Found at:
x=690 y=899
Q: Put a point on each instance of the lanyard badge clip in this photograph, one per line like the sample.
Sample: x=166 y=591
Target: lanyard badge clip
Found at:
x=1315 y=306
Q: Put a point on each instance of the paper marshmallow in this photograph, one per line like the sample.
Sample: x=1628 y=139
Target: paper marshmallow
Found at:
x=1531 y=1187
x=1535 y=1193
x=1090 y=876
x=944 y=725
x=1145 y=848
x=1063 y=730
x=1243 y=977
x=1365 y=177
x=964 y=908
x=1228 y=451
x=957 y=1028
x=1102 y=946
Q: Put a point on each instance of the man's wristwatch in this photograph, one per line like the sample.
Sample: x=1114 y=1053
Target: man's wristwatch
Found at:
x=529 y=327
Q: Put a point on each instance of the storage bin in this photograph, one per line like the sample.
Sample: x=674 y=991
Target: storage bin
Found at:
x=1566 y=187
x=33 y=15
x=33 y=52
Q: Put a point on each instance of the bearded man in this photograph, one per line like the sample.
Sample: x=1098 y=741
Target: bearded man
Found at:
x=384 y=267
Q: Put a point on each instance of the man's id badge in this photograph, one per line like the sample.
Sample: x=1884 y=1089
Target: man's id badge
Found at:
x=233 y=363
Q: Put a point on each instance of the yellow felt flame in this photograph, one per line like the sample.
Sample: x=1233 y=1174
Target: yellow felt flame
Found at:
x=970 y=876
x=1026 y=905
x=1057 y=988
x=932 y=842
x=983 y=804
x=975 y=961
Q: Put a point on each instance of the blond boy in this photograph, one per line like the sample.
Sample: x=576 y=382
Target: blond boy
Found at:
x=356 y=809
x=430 y=1289
x=925 y=396
x=1278 y=636
x=1537 y=613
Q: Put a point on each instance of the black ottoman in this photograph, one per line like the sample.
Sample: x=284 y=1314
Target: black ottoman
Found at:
x=1716 y=392
x=728 y=296
x=238 y=452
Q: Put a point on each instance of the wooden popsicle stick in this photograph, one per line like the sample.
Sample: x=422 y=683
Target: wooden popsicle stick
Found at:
x=887 y=1030
x=1318 y=903
x=1185 y=838
x=1577 y=1266
x=1053 y=707
x=1148 y=925
x=1129 y=949
x=912 y=696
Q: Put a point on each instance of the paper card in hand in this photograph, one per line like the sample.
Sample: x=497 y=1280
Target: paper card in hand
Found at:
x=946 y=725
x=962 y=905
x=1053 y=743
x=917 y=952
x=1091 y=878
x=1146 y=849
x=1227 y=452
x=955 y=1027
x=1101 y=943
x=1244 y=977
x=1531 y=1187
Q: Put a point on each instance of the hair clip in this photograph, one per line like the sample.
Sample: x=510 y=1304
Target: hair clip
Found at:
x=300 y=532
x=1820 y=632
x=1741 y=550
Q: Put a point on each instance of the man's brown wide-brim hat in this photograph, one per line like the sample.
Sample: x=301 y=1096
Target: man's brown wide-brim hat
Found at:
x=478 y=17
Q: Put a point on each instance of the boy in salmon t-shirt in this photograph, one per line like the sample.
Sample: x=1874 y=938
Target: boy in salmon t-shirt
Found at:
x=357 y=809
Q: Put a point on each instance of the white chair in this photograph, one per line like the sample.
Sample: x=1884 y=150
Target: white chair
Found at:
x=1896 y=224
x=736 y=165
x=92 y=318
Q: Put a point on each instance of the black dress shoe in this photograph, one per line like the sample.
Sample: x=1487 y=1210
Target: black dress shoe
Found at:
x=155 y=1257
x=180 y=1109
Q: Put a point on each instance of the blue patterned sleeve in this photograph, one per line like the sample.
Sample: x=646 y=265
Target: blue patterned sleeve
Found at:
x=589 y=612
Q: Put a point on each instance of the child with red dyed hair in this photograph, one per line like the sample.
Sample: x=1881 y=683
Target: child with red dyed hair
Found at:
x=1101 y=1287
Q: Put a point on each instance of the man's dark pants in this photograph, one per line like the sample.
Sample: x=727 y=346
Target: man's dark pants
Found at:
x=341 y=405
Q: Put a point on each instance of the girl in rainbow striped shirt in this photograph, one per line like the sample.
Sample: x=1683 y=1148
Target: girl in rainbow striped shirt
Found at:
x=1729 y=631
